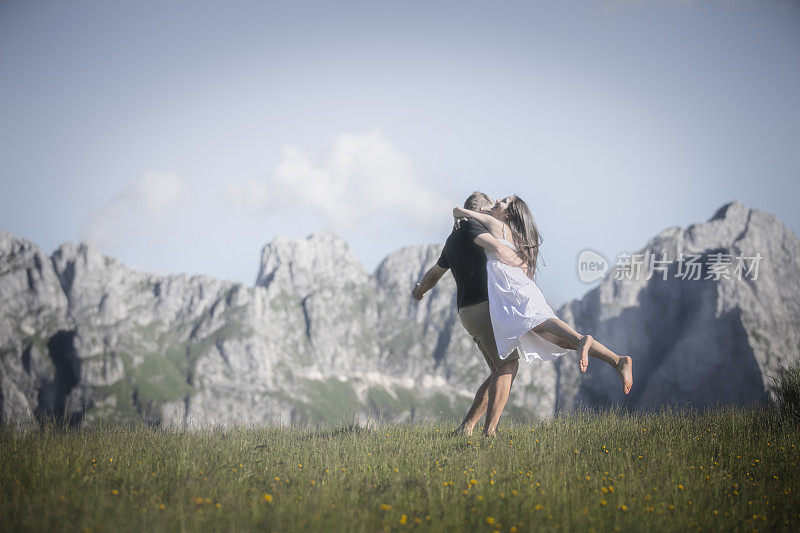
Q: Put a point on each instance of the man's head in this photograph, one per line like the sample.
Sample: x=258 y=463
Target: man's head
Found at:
x=478 y=201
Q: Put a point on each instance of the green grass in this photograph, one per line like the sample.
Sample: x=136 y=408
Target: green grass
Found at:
x=787 y=387
x=729 y=468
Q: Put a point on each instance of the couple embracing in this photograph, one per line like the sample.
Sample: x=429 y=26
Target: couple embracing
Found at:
x=492 y=254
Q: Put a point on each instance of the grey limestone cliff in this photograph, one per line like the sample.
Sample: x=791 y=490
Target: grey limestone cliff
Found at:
x=696 y=339
x=317 y=338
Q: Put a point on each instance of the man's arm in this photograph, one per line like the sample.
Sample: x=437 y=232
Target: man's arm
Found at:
x=503 y=252
x=431 y=277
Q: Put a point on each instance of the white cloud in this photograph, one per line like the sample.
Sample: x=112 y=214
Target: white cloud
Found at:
x=142 y=205
x=356 y=178
x=157 y=191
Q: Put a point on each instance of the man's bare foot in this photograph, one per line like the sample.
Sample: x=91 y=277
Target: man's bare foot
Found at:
x=625 y=370
x=583 y=349
x=461 y=430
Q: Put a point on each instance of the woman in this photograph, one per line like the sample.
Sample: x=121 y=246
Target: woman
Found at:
x=521 y=318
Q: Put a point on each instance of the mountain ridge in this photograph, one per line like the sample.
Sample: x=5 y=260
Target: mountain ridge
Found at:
x=317 y=336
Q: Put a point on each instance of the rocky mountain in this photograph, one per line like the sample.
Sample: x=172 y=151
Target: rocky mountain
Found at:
x=317 y=338
x=703 y=341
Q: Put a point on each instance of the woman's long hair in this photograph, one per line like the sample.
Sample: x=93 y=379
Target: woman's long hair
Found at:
x=525 y=233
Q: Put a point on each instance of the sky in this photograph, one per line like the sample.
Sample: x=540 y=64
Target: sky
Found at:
x=183 y=136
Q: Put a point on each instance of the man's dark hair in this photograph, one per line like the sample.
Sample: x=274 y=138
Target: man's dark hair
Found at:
x=477 y=201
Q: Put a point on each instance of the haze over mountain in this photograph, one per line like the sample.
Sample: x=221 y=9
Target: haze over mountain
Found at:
x=318 y=338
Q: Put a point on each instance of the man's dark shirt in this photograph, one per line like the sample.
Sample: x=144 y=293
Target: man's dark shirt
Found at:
x=467 y=261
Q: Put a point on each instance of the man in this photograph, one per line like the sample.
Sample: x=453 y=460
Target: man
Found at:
x=464 y=256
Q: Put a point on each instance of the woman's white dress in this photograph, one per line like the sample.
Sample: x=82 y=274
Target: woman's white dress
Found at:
x=516 y=305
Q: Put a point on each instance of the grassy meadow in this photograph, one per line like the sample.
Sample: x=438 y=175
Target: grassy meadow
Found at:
x=611 y=470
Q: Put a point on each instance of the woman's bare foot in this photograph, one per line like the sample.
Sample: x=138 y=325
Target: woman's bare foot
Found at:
x=583 y=348
x=625 y=370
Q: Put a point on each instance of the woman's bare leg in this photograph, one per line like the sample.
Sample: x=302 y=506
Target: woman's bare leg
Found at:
x=571 y=339
x=582 y=346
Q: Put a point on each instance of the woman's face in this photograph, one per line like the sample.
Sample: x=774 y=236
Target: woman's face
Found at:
x=500 y=208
